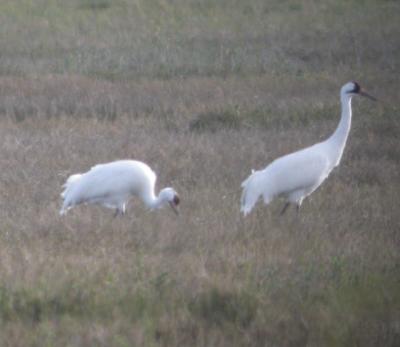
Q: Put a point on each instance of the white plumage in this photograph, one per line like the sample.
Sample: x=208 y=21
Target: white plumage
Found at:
x=113 y=184
x=297 y=175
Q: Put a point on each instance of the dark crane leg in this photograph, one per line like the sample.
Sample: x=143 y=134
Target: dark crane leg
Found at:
x=285 y=208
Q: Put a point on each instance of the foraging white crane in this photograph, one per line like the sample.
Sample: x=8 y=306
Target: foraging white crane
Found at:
x=113 y=184
x=297 y=175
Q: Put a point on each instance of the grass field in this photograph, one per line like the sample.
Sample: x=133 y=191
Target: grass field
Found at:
x=203 y=91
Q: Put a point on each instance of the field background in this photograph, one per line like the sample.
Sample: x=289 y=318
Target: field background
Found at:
x=203 y=91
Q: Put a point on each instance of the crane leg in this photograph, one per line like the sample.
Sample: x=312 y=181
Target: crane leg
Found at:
x=120 y=211
x=117 y=212
x=285 y=208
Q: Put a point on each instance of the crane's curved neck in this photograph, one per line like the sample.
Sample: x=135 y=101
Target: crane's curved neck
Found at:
x=338 y=139
x=152 y=201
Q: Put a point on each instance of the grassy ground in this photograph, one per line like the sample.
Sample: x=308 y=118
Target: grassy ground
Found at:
x=203 y=91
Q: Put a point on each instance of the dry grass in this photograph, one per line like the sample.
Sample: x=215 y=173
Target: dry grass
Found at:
x=327 y=277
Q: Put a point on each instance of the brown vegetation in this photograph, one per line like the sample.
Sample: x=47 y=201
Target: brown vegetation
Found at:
x=327 y=277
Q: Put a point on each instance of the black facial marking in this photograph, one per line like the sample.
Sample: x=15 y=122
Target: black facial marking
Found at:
x=356 y=89
x=176 y=200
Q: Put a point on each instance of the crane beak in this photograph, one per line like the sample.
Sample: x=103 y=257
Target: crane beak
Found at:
x=362 y=93
x=174 y=204
x=174 y=208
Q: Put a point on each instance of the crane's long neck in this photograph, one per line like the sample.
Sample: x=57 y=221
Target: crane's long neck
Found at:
x=338 y=139
x=152 y=201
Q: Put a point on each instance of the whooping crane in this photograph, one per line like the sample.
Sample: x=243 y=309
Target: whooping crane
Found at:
x=113 y=184
x=297 y=175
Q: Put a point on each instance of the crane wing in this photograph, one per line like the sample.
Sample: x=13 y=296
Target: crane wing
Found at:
x=118 y=179
x=304 y=169
x=300 y=172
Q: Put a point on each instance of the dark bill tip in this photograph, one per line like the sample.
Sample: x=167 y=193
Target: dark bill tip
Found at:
x=174 y=208
x=362 y=93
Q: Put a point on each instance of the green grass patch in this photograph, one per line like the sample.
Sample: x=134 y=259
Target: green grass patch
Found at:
x=214 y=121
x=96 y=4
x=217 y=307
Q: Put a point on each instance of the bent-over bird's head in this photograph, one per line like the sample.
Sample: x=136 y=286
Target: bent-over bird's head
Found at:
x=353 y=88
x=171 y=196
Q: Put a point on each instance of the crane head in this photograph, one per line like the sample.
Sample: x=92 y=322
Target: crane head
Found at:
x=353 y=88
x=171 y=196
x=174 y=203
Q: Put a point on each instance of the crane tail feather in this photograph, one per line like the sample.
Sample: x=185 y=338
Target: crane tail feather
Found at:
x=250 y=194
x=69 y=183
x=66 y=194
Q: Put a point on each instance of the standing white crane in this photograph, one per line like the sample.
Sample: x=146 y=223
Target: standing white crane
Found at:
x=113 y=184
x=297 y=175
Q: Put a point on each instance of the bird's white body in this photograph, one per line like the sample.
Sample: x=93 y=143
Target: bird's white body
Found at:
x=297 y=175
x=113 y=184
